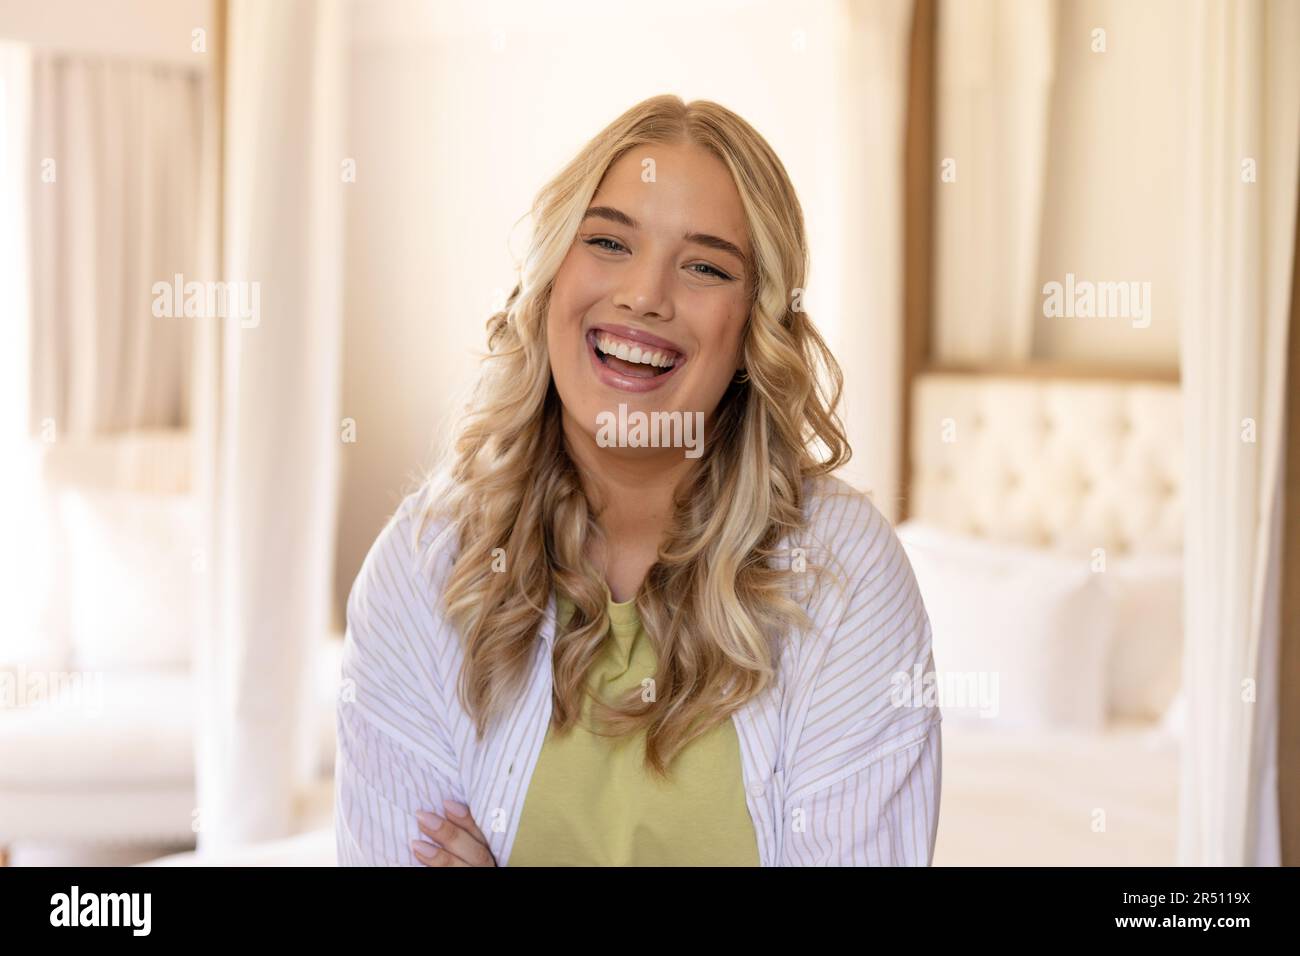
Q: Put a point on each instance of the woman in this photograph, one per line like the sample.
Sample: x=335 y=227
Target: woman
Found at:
x=633 y=620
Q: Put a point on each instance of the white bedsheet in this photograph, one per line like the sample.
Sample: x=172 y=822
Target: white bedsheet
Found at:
x=1031 y=798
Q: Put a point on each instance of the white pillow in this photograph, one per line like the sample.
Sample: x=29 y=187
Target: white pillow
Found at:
x=1145 y=669
x=132 y=578
x=1020 y=634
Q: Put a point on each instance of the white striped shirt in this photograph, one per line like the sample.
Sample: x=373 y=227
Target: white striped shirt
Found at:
x=837 y=771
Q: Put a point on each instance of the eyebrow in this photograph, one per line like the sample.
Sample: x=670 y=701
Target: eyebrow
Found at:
x=699 y=238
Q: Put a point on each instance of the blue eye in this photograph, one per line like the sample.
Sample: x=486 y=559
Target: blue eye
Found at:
x=717 y=272
x=599 y=239
x=613 y=245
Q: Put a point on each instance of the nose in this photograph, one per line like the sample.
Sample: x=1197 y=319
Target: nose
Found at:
x=644 y=289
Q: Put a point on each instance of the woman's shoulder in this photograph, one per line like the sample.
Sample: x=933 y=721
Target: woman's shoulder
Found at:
x=398 y=640
x=845 y=531
x=870 y=591
x=834 y=506
x=403 y=571
x=396 y=651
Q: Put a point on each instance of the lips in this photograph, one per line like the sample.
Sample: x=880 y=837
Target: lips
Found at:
x=639 y=337
x=628 y=376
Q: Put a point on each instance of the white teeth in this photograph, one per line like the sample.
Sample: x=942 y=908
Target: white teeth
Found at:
x=611 y=346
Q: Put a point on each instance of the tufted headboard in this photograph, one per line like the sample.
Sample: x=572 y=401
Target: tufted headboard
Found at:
x=1063 y=463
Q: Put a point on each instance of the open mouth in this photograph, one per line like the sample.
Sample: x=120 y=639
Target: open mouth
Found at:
x=632 y=359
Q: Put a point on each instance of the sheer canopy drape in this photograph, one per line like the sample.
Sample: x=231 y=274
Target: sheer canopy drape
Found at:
x=1243 y=82
x=996 y=62
x=269 y=440
x=114 y=192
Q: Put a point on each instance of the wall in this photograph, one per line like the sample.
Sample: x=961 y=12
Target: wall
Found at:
x=1112 y=207
x=141 y=29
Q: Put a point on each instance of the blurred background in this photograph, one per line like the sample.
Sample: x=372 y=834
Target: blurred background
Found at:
x=247 y=251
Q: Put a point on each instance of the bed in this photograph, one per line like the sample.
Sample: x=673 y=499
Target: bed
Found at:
x=97 y=753
x=1045 y=533
x=1031 y=799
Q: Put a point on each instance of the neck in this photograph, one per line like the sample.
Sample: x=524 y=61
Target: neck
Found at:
x=631 y=489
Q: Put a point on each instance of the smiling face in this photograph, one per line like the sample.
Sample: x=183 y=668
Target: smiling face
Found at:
x=649 y=306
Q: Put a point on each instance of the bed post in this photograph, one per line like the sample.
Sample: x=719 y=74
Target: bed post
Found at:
x=918 y=226
x=1288 y=742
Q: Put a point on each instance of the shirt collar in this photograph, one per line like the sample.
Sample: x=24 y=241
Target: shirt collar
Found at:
x=548 y=622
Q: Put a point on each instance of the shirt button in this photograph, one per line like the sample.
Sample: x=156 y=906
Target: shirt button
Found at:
x=757 y=789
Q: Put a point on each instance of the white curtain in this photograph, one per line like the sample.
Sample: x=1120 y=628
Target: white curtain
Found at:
x=115 y=170
x=24 y=547
x=996 y=62
x=1243 y=87
x=270 y=419
x=872 y=63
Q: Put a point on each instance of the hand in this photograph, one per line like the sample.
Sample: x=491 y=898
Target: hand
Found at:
x=459 y=842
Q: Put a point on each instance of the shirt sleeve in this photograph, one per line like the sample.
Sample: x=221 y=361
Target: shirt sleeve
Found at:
x=886 y=814
x=865 y=771
x=394 y=755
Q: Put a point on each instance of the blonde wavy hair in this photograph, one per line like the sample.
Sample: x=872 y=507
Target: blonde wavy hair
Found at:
x=716 y=604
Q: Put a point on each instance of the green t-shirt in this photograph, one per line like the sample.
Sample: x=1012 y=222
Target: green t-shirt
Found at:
x=591 y=802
